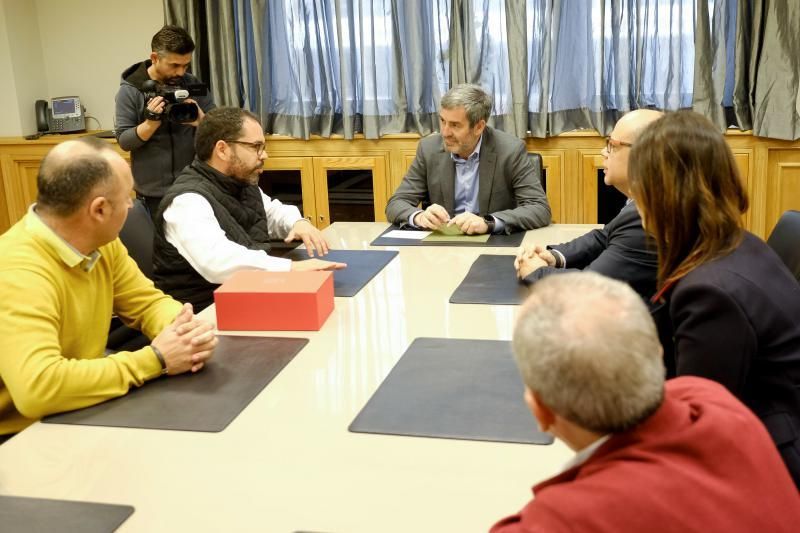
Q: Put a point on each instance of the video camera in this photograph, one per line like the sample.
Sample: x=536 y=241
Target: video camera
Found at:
x=176 y=110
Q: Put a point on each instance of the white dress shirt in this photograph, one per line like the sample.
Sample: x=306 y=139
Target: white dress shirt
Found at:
x=191 y=227
x=583 y=455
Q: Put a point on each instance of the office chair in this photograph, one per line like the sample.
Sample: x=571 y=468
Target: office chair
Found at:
x=137 y=235
x=785 y=240
x=536 y=161
x=538 y=170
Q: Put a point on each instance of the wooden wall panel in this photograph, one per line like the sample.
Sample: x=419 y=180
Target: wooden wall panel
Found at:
x=21 y=196
x=590 y=164
x=782 y=186
x=769 y=168
x=744 y=161
x=553 y=163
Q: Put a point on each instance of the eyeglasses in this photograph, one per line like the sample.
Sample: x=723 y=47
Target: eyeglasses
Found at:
x=257 y=146
x=612 y=143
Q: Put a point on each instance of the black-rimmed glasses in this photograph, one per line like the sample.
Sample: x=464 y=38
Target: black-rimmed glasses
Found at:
x=257 y=146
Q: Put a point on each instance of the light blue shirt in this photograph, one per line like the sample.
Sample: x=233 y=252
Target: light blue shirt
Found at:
x=466 y=187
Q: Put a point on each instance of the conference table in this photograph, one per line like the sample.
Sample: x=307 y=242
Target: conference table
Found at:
x=287 y=462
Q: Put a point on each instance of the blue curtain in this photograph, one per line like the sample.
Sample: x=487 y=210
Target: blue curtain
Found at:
x=343 y=67
x=589 y=62
x=380 y=66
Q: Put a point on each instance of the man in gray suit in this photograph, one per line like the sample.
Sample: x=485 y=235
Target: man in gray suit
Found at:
x=470 y=175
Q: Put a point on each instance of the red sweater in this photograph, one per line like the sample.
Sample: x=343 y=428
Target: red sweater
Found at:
x=702 y=462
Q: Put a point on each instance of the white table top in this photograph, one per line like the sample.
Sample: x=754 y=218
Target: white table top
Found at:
x=287 y=462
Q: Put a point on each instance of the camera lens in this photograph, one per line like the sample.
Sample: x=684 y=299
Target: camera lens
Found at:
x=182 y=113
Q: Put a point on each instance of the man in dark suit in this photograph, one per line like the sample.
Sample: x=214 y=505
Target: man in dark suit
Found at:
x=470 y=175
x=675 y=457
x=621 y=249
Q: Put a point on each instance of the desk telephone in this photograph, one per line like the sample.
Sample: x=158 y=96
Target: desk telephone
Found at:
x=65 y=115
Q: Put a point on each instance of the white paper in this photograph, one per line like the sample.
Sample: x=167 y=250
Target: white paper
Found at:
x=404 y=234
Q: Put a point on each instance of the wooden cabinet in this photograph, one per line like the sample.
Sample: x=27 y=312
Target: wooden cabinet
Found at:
x=591 y=163
x=19 y=167
x=782 y=185
x=324 y=189
x=553 y=183
x=769 y=169
x=360 y=172
x=303 y=167
x=321 y=192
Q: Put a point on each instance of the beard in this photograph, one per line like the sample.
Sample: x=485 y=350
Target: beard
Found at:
x=455 y=146
x=241 y=171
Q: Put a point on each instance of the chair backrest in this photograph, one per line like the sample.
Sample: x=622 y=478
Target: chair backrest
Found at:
x=536 y=161
x=785 y=240
x=137 y=235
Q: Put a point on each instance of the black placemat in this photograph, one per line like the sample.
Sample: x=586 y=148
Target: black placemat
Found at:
x=206 y=401
x=362 y=266
x=513 y=240
x=455 y=389
x=37 y=515
x=491 y=280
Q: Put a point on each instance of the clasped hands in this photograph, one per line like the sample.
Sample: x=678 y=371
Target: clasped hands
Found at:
x=436 y=216
x=532 y=257
x=186 y=344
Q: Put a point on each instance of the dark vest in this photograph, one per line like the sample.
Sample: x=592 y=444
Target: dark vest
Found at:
x=239 y=210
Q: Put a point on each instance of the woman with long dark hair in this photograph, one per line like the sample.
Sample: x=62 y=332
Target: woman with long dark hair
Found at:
x=727 y=308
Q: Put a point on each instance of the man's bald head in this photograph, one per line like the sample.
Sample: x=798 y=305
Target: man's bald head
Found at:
x=70 y=172
x=631 y=125
x=626 y=131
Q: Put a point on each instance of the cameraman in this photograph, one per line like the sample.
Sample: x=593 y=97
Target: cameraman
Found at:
x=159 y=147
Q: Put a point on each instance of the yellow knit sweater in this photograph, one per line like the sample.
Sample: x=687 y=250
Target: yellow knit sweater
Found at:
x=55 y=308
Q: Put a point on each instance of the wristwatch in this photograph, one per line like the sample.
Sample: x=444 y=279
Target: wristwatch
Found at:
x=489 y=219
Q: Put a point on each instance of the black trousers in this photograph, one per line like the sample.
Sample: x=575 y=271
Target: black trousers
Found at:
x=151 y=203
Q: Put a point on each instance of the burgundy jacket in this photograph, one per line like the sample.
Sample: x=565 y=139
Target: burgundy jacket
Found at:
x=702 y=462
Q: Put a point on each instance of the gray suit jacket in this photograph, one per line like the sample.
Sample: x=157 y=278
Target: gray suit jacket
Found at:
x=509 y=189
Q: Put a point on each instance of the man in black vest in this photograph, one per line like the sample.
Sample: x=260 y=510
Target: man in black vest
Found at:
x=215 y=220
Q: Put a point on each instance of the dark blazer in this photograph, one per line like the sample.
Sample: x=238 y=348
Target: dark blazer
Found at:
x=736 y=320
x=620 y=250
x=701 y=462
x=509 y=189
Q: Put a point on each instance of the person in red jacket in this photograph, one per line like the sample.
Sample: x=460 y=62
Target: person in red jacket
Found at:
x=683 y=456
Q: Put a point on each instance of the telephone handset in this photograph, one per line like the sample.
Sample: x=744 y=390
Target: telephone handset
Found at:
x=65 y=116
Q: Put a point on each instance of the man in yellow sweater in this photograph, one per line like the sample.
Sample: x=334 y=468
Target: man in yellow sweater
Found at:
x=63 y=272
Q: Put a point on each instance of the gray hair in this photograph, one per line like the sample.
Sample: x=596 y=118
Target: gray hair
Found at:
x=475 y=101
x=586 y=344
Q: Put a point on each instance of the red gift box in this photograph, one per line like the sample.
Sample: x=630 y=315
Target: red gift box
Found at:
x=253 y=300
